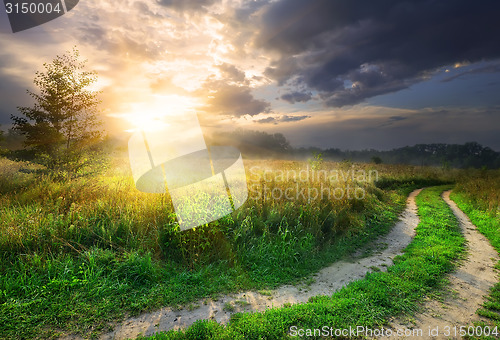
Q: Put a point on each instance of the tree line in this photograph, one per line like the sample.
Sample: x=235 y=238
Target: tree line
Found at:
x=257 y=144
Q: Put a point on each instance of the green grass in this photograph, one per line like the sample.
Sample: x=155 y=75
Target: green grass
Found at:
x=79 y=255
x=369 y=302
x=99 y=286
x=484 y=212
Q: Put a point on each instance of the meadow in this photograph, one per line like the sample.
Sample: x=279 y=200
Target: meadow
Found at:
x=478 y=195
x=370 y=302
x=79 y=255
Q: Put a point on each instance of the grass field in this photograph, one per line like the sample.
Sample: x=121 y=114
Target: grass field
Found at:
x=478 y=195
x=369 y=302
x=81 y=254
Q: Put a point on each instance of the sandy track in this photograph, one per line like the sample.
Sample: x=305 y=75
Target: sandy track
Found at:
x=326 y=281
x=468 y=286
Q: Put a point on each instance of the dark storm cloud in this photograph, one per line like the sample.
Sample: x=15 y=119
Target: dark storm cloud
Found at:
x=296 y=97
x=352 y=50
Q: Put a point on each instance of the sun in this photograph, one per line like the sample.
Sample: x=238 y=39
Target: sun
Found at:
x=155 y=113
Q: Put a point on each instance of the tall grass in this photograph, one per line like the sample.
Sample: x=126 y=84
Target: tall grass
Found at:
x=370 y=302
x=478 y=195
x=482 y=188
x=45 y=216
x=77 y=254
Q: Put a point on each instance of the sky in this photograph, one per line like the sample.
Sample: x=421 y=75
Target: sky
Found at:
x=357 y=74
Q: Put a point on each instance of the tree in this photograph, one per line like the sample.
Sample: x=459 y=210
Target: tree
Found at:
x=376 y=160
x=62 y=125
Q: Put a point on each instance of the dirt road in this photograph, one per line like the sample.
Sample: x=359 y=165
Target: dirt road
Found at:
x=468 y=286
x=325 y=282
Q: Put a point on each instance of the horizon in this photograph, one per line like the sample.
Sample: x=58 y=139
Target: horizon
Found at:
x=396 y=148
x=297 y=147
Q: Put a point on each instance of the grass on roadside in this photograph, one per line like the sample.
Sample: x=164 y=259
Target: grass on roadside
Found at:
x=77 y=256
x=369 y=302
x=479 y=199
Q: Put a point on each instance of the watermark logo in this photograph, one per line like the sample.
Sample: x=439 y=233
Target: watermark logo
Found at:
x=204 y=183
x=310 y=184
x=26 y=14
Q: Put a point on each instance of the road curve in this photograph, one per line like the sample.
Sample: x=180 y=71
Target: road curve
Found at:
x=326 y=282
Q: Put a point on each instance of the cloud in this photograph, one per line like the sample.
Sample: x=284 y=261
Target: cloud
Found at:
x=283 y=119
x=266 y=120
x=231 y=100
x=287 y=118
x=491 y=68
x=396 y=118
x=187 y=5
x=122 y=42
x=144 y=9
x=378 y=47
x=232 y=72
x=368 y=128
x=295 y=97
x=391 y=120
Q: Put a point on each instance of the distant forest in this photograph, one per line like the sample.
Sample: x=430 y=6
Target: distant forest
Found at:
x=257 y=144
x=261 y=145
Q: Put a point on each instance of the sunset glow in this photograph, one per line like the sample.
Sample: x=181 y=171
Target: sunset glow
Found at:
x=322 y=73
x=155 y=114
